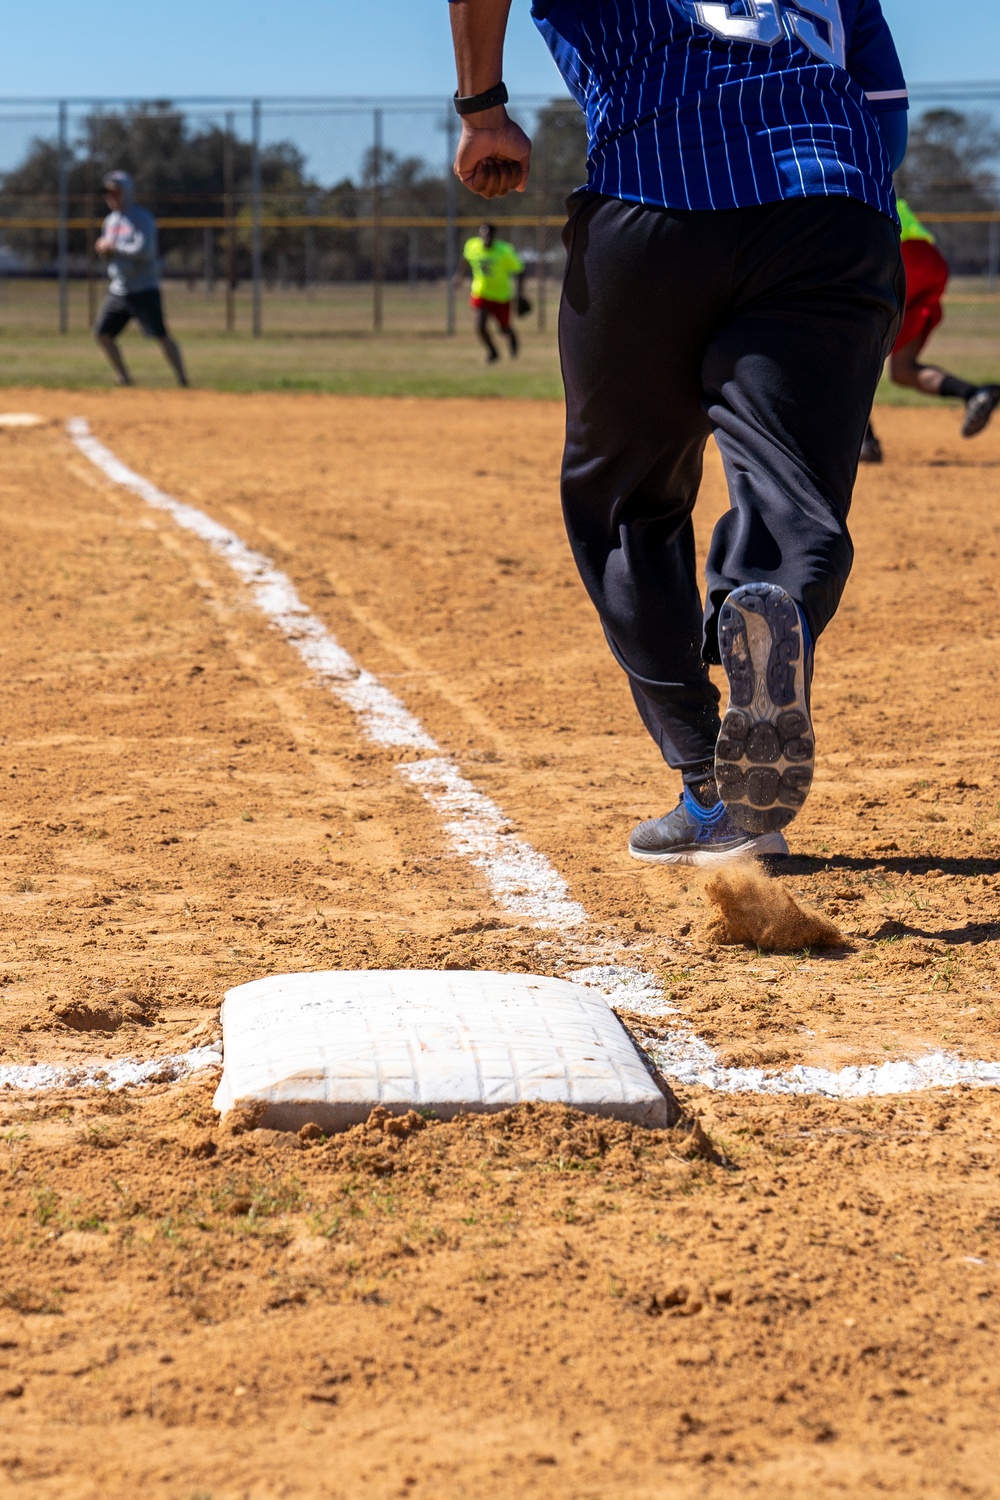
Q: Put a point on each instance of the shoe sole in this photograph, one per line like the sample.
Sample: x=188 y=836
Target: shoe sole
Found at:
x=760 y=846
x=977 y=424
x=766 y=750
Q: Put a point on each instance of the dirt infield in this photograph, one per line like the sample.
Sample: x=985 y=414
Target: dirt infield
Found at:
x=532 y=1305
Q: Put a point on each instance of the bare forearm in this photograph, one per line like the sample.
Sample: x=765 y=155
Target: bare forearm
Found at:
x=478 y=28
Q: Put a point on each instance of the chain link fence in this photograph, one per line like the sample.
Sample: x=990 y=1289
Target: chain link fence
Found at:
x=320 y=217
x=294 y=216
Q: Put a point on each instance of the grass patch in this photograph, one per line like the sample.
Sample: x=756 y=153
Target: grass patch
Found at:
x=324 y=344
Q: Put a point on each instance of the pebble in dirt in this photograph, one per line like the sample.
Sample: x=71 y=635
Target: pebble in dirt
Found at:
x=327 y=1048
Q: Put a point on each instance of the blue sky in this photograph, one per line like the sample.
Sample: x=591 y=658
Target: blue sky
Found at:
x=55 y=47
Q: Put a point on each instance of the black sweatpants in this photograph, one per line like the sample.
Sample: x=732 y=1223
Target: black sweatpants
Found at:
x=765 y=326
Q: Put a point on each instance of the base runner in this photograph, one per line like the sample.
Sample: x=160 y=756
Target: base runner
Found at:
x=733 y=271
x=926 y=280
x=497 y=283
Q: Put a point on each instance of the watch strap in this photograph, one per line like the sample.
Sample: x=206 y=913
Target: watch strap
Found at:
x=474 y=104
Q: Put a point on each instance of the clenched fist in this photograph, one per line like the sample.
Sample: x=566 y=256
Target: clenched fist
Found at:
x=493 y=159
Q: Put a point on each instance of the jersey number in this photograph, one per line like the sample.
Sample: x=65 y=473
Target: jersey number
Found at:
x=765 y=22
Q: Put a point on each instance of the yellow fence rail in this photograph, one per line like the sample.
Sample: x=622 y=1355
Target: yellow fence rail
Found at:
x=305 y=221
x=391 y=221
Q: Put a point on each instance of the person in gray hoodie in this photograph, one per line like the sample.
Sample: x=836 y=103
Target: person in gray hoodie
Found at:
x=129 y=244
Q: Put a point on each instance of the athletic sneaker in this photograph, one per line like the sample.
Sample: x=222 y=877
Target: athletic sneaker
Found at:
x=979 y=408
x=871 y=448
x=694 y=835
x=765 y=752
x=515 y=347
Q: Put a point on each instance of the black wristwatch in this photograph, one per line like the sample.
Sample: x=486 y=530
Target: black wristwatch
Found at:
x=474 y=104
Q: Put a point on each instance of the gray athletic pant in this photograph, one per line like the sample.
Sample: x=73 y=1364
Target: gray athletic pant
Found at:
x=765 y=326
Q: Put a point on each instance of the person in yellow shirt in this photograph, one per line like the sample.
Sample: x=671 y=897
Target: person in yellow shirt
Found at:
x=497 y=281
x=926 y=279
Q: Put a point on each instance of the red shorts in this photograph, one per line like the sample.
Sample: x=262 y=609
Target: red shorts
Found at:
x=926 y=279
x=500 y=310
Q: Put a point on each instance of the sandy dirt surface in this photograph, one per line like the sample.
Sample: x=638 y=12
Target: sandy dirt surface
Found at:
x=530 y=1305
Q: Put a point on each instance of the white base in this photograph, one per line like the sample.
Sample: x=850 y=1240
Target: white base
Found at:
x=21 y=419
x=329 y=1047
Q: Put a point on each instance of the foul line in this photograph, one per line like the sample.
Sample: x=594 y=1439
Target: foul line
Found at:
x=521 y=879
x=116 y=1073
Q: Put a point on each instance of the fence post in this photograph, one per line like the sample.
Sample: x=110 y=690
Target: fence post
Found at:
x=208 y=259
x=229 y=207
x=451 y=214
x=377 y=266
x=255 y=232
x=62 y=233
x=541 y=246
x=90 y=213
x=993 y=252
x=309 y=258
x=413 y=261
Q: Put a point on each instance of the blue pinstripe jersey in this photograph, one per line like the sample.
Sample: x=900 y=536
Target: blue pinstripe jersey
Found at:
x=706 y=105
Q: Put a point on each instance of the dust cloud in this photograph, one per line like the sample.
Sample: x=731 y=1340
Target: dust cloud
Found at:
x=752 y=908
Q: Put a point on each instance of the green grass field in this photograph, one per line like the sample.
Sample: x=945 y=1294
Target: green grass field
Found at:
x=323 y=341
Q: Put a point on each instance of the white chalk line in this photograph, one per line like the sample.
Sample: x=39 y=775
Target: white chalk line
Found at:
x=115 y=1073
x=684 y=1057
x=521 y=879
